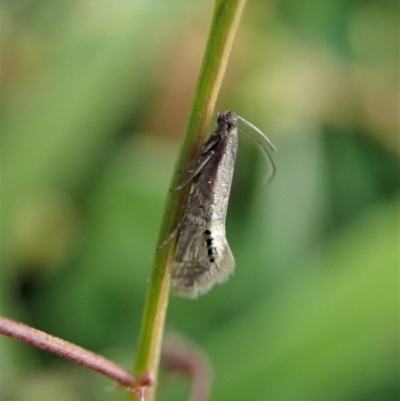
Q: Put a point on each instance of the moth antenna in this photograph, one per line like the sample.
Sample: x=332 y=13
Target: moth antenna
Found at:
x=262 y=135
x=264 y=145
x=266 y=154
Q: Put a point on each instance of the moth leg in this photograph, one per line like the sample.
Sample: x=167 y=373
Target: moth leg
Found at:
x=206 y=147
x=187 y=166
x=170 y=237
x=202 y=164
x=210 y=144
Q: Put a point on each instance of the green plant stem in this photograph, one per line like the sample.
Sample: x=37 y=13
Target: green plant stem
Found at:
x=223 y=28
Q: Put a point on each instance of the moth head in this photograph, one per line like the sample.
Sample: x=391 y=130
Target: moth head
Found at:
x=226 y=120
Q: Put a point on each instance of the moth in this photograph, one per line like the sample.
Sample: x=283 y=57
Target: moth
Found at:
x=202 y=256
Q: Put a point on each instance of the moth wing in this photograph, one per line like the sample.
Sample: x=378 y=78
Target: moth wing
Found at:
x=194 y=271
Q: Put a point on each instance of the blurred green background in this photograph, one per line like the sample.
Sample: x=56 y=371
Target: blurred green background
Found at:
x=95 y=96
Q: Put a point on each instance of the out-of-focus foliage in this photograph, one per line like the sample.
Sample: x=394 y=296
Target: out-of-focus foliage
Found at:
x=94 y=100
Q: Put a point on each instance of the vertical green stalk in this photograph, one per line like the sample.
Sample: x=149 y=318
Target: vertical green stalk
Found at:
x=223 y=28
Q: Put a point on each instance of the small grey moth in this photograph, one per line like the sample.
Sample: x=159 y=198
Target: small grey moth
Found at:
x=202 y=256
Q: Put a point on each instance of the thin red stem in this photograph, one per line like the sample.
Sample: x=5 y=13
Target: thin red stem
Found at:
x=47 y=342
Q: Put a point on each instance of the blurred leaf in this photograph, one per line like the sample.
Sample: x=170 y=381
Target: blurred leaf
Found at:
x=103 y=289
x=61 y=118
x=329 y=334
